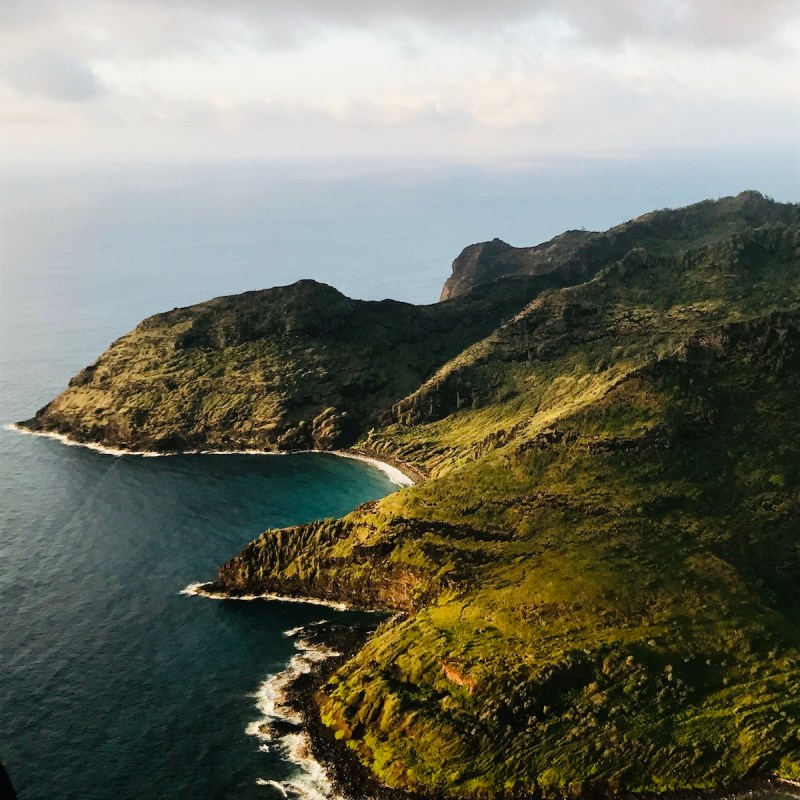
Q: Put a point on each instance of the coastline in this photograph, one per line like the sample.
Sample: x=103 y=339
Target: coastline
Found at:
x=312 y=743
x=280 y=726
x=202 y=590
x=343 y=772
x=393 y=470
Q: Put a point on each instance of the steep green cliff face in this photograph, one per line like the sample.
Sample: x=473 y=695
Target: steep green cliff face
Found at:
x=600 y=574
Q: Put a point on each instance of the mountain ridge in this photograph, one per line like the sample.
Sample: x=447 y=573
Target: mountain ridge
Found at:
x=577 y=254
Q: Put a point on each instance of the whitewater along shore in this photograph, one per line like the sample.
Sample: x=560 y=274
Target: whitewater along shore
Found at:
x=347 y=775
x=398 y=472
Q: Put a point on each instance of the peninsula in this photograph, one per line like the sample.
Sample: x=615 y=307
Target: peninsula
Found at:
x=598 y=567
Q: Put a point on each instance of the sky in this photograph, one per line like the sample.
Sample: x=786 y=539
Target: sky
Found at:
x=126 y=82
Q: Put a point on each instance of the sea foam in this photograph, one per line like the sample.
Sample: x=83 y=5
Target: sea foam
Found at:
x=311 y=782
x=274 y=784
x=395 y=475
x=199 y=590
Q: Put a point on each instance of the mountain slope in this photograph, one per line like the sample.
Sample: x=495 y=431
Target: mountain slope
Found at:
x=289 y=368
x=613 y=601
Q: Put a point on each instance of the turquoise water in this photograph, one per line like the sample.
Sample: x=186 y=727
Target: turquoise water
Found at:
x=112 y=683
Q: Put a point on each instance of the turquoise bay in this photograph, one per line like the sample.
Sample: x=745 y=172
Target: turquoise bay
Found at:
x=114 y=683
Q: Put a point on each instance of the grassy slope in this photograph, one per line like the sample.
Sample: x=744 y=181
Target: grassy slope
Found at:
x=601 y=572
x=256 y=370
x=632 y=619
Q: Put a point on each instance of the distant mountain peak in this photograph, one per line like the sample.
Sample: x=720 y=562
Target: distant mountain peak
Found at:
x=578 y=253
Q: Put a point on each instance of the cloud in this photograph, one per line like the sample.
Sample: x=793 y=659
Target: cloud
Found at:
x=604 y=22
x=168 y=26
x=331 y=77
x=52 y=77
x=715 y=23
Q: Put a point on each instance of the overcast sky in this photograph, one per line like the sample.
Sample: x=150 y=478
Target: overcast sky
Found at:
x=129 y=81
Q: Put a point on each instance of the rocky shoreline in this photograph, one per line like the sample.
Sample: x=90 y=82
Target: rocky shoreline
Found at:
x=350 y=779
x=348 y=776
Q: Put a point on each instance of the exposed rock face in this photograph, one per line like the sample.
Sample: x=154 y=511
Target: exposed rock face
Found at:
x=490 y=261
x=332 y=429
x=477 y=263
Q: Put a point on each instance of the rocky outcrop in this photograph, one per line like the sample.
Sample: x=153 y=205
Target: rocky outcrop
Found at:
x=490 y=261
x=316 y=560
x=331 y=429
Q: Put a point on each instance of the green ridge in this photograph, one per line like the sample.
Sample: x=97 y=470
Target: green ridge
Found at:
x=290 y=368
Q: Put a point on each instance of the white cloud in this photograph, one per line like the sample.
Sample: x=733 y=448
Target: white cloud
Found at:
x=710 y=22
x=52 y=77
x=147 y=27
x=408 y=78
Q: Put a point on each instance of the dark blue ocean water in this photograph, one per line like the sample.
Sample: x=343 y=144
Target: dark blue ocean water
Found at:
x=112 y=683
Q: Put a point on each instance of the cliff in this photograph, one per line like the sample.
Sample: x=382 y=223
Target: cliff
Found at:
x=290 y=368
x=490 y=261
x=599 y=575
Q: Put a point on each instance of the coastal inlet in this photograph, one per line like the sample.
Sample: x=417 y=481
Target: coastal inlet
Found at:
x=114 y=683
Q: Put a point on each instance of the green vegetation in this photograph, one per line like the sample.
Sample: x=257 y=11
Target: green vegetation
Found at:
x=600 y=573
x=291 y=368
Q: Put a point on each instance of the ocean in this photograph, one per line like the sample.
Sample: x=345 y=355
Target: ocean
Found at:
x=113 y=682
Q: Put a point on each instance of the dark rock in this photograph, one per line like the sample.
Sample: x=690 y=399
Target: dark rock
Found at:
x=332 y=429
